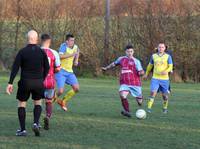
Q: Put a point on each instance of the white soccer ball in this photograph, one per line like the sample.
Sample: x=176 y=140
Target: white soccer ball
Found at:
x=141 y=114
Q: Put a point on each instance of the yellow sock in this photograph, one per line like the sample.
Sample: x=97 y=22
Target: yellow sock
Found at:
x=69 y=95
x=150 y=102
x=165 y=104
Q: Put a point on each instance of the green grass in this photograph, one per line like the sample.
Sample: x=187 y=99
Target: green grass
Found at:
x=94 y=120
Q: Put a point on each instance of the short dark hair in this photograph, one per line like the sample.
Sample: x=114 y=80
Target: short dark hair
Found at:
x=45 y=37
x=69 y=36
x=161 y=42
x=129 y=46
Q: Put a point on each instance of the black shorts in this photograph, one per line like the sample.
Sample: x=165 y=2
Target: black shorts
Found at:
x=30 y=86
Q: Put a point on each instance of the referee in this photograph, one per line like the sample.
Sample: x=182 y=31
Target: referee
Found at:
x=34 y=67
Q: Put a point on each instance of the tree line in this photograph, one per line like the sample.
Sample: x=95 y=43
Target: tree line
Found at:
x=141 y=22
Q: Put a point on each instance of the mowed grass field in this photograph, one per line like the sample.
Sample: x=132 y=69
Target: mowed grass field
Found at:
x=94 y=121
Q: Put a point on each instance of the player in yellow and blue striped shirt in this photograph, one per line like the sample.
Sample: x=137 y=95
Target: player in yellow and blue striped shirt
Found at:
x=162 y=64
x=69 y=55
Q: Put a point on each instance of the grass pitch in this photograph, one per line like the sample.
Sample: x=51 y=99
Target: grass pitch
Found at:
x=94 y=121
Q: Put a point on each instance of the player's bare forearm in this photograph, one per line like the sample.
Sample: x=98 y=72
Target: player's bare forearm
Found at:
x=76 y=58
x=63 y=56
x=109 y=66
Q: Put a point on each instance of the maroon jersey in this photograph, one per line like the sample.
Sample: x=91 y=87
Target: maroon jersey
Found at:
x=49 y=81
x=129 y=71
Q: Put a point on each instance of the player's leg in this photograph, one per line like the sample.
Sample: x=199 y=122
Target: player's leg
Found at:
x=154 y=89
x=22 y=118
x=37 y=91
x=60 y=78
x=49 y=94
x=22 y=96
x=60 y=82
x=71 y=80
x=123 y=93
x=165 y=94
x=136 y=91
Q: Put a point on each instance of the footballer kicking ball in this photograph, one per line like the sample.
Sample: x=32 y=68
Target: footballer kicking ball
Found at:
x=141 y=114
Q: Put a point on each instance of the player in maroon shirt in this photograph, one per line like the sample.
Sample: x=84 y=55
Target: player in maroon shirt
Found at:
x=130 y=82
x=49 y=82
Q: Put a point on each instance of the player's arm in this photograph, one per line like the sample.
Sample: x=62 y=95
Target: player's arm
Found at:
x=15 y=69
x=113 y=64
x=76 y=58
x=170 y=66
x=46 y=66
x=109 y=66
x=139 y=68
x=57 y=63
x=62 y=52
x=63 y=56
x=149 y=67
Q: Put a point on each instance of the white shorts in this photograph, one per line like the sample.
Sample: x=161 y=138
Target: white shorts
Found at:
x=49 y=93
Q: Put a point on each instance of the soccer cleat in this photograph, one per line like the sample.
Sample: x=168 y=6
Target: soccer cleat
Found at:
x=125 y=113
x=62 y=104
x=36 y=129
x=165 y=111
x=21 y=133
x=149 y=110
x=46 y=123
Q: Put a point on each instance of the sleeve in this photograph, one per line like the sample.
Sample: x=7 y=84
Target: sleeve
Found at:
x=15 y=67
x=151 y=60
x=170 y=60
x=170 y=64
x=62 y=48
x=150 y=65
x=138 y=65
x=57 y=58
x=117 y=61
x=45 y=65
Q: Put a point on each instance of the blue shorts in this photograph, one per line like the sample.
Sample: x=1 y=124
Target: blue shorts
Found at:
x=63 y=77
x=136 y=91
x=160 y=85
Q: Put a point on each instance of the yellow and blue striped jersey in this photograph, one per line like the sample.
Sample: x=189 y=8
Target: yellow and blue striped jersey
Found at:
x=67 y=63
x=160 y=64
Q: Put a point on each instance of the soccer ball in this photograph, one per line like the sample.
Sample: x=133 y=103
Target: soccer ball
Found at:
x=141 y=114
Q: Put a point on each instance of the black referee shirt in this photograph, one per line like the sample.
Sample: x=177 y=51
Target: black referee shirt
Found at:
x=33 y=62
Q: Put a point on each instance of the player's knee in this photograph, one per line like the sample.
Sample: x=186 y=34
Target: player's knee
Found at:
x=22 y=104
x=153 y=94
x=139 y=100
x=122 y=95
x=60 y=91
x=76 y=88
x=165 y=97
x=38 y=102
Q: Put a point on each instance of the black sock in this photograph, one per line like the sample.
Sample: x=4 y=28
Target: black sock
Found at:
x=37 y=112
x=22 y=117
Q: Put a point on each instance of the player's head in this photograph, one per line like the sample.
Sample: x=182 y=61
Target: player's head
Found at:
x=70 y=40
x=161 y=47
x=129 y=50
x=32 y=36
x=45 y=40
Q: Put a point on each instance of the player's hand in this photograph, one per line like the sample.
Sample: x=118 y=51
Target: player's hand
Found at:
x=103 y=68
x=75 y=63
x=164 y=73
x=144 y=77
x=141 y=72
x=9 y=89
x=75 y=53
